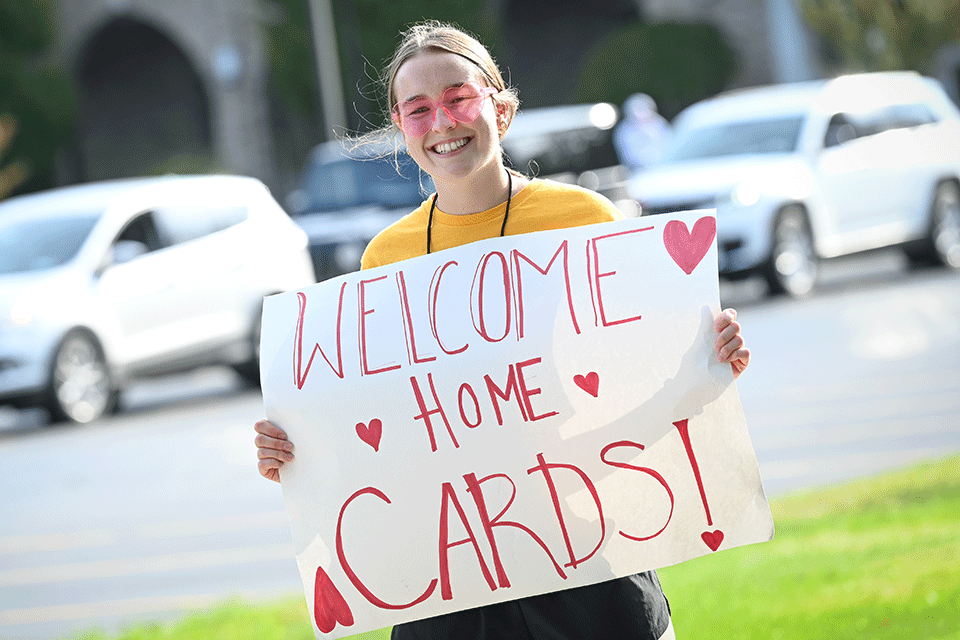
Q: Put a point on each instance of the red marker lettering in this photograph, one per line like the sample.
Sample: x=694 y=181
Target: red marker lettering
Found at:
x=478 y=315
x=546 y=469
x=412 y=355
x=300 y=373
x=526 y=393
x=434 y=294
x=425 y=413
x=449 y=495
x=566 y=278
x=473 y=487
x=362 y=332
x=595 y=283
x=362 y=588
x=511 y=389
x=656 y=476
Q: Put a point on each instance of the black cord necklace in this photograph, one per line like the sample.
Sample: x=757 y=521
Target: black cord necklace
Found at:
x=433 y=205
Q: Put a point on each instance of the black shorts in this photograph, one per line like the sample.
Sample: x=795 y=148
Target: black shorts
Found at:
x=631 y=608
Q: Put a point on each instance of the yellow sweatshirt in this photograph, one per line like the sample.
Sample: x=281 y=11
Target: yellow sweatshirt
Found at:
x=541 y=205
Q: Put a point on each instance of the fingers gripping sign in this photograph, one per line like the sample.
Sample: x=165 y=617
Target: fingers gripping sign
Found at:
x=273 y=449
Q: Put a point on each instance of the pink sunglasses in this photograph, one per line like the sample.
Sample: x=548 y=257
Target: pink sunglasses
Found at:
x=462 y=104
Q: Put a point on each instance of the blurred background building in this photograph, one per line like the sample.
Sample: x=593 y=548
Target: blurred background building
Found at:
x=231 y=85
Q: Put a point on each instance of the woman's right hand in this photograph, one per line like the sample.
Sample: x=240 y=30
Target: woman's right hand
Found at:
x=273 y=449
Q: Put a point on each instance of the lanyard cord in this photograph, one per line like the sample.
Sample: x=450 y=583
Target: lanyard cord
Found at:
x=502 y=226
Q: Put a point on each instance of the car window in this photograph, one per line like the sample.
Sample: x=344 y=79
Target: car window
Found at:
x=905 y=116
x=36 y=244
x=143 y=229
x=357 y=182
x=576 y=150
x=183 y=223
x=844 y=127
x=779 y=135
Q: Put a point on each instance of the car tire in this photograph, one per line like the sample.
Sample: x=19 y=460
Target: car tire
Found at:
x=793 y=267
x=941 y=245
x=250 y=370
x=80 y=388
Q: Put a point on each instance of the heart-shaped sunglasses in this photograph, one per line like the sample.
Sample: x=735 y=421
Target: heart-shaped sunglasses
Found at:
x=463 y=104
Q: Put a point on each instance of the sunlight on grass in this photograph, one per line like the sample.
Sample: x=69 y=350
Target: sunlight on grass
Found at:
x=873 y=558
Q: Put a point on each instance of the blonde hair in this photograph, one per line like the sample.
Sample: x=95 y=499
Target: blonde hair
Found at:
x=437 y=36
x=433 y=35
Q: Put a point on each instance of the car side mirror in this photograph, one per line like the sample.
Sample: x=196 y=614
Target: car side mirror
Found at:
x=127 y=250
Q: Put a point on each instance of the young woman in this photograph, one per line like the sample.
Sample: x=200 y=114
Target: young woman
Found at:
x=451 y=105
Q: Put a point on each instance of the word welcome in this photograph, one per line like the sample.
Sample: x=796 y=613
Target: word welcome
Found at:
x=497 y=305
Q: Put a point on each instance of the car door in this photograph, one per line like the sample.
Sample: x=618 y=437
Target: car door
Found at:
x=136 y=289
x=210 y=306
x=913 y=142
x=857 y=177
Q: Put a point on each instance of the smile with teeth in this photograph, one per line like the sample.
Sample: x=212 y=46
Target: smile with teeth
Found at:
x=449 y=147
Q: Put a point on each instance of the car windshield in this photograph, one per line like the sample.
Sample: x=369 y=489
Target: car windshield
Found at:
x=736 y=139
x=352 y=183
x=41 y=243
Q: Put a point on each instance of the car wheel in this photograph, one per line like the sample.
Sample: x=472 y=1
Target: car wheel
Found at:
x=941 y=245
x=945 y=225
x=793 y=267
x=80 y=388
x=250 y=370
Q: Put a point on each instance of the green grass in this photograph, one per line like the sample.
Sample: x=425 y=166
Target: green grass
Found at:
x=875 y=558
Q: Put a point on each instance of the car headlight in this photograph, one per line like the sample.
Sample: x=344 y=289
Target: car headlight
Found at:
x=746 y=194
x=22 y=313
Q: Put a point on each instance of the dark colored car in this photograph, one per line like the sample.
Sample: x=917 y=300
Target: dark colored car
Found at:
x=348 y=196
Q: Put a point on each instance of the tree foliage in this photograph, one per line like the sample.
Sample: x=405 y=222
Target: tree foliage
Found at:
x=676 y=64
x=13 y=174
x=37 y=110
x=879 y=35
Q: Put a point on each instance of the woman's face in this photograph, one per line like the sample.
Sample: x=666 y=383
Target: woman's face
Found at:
x=449 y=150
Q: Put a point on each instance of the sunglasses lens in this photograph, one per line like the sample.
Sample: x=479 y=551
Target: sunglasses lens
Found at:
x=462 y=104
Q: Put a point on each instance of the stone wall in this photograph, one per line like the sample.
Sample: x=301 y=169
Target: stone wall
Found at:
x=222 y=41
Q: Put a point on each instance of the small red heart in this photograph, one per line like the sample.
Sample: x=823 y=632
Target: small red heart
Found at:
x=687 y=248
x=329 y=607
x=713 y=539
x=589 y=383
x=371 y=434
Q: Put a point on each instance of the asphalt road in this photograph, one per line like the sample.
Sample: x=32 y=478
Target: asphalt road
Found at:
x=160 y=509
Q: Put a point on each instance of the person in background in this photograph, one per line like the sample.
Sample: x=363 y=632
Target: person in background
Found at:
x=642 y=135
x=448 y=99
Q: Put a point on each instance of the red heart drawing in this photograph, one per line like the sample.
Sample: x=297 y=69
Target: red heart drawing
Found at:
x=713 y=539
x=371 y=434
x=589 y=383
x=329 y=607
x=688 y=249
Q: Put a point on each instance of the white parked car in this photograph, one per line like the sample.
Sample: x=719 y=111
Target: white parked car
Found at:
x=103 y=282
x=806 y=171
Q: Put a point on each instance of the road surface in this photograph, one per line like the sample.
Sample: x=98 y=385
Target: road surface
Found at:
x=160 y=510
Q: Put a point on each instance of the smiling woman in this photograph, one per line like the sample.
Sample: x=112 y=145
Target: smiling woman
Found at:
x=449 y=102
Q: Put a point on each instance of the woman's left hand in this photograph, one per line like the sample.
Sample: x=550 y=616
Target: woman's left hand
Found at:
x=729 y=344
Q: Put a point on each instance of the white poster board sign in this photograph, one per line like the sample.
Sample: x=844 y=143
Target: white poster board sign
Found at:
x=508 y=418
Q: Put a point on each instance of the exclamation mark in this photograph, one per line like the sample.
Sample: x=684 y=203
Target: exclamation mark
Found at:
x=712 y=539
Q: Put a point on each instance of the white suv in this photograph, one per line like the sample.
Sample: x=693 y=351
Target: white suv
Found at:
x=106 y=281
x=800 y=172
